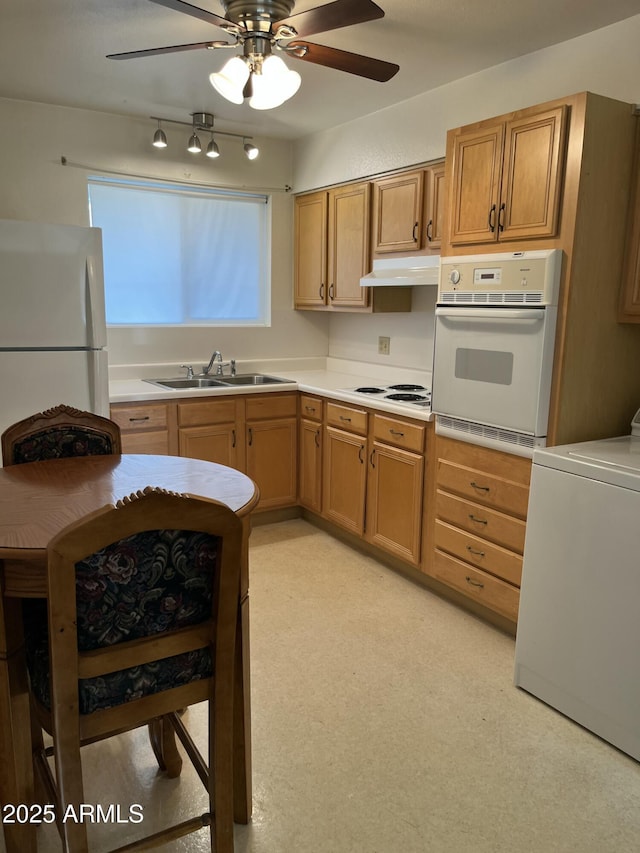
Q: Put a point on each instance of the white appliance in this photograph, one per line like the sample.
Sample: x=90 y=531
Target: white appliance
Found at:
x=494 y=344
x=578 y=637
x=52 y=320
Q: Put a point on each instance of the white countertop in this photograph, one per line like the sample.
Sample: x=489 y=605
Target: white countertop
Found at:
x=127 y=383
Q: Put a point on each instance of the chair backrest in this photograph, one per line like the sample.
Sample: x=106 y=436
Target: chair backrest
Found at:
x=59 y=432
x=153 y=586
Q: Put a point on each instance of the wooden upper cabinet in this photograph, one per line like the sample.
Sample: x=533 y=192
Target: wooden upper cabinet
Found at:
x=397 y=212
x=348 y=245
x=506 y=177
x=434 y=206
x=310 y=265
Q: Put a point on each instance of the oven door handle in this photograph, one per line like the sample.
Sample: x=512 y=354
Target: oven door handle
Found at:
x=491 y=313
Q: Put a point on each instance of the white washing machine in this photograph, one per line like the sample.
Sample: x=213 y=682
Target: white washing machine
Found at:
x=578 y=639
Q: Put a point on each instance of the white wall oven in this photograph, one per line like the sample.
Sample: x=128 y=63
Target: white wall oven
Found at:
x=494 y=344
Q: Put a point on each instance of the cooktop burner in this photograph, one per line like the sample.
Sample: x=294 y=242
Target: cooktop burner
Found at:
x=408 y=387
x=407 y=392
x=405 y=398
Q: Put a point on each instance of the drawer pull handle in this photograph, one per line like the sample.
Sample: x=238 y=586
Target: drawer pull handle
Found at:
x=478 y=487
x=309 y=408
x=343 y=418
x=396 y=432
x=478 y=520
x=475 y=552
x=134 y=420
x=471 y=582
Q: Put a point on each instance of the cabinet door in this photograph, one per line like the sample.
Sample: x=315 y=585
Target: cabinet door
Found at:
x=532 y=176
x=434 y=209
x=398 y=212
x=348 y=245
x=310 y=250
x=310 y=465
x=271 y=461
x=630 y=291
x=344 y=481
x=213 y=443
x=475 y=184
x=394 y=501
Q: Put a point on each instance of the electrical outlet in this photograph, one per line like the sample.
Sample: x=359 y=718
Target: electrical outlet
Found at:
x=384 y=345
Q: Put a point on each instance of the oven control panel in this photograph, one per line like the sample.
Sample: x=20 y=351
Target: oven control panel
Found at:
x=506 y=278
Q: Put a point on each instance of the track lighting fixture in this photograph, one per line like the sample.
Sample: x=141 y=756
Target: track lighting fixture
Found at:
x=159 y=138
x=250 y=150
x=202 y=122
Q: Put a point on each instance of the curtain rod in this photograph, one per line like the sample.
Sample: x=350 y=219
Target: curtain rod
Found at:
x=64 y=161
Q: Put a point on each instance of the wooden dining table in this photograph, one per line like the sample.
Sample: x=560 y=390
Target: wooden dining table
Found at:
x=38 y=500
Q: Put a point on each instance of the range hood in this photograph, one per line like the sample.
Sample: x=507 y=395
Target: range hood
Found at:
x=403 y=272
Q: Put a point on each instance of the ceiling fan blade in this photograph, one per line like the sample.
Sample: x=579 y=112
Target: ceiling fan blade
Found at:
x=174 y=48
x=196 y=12
x=340 y=13
x=352 y=63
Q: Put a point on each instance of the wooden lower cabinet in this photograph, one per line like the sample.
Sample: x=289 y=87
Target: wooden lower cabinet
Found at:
x=480 y=507
x=270 y=445
x=310 y=441
x=146 y=427
x=207 y=430
x=345 y=479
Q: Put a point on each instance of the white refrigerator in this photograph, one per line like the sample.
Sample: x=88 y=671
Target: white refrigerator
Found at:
x=52 y=320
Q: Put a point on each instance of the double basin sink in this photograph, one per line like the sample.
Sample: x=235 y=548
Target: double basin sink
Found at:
x=206 y=381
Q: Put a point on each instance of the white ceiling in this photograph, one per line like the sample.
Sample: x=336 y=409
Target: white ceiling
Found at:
x=53 y=51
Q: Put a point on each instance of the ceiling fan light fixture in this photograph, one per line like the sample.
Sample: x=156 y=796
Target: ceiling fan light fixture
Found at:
x=230 y=81
x=251 y=151
x=274 y=85
x=194 y=145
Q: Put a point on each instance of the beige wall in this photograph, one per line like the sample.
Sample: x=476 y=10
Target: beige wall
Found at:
x=35 y=186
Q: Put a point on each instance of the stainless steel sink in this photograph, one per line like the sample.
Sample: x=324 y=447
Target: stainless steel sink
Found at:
x=251 y=379
x=183 y=382
x=218 y=382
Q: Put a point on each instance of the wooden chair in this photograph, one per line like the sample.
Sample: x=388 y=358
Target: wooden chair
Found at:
x=120 y=652
x=59 y=432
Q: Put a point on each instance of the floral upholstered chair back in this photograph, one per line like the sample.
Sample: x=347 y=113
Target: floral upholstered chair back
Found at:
x=58 y=433
x=148 y=583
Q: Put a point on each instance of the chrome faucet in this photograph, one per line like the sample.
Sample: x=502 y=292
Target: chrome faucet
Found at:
x=216 y=359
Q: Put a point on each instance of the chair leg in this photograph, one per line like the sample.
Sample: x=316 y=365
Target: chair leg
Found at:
x=163 y=742
x=221 y=775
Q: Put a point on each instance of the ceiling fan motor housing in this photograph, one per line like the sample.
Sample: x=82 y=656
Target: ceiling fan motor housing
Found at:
x=258 y=14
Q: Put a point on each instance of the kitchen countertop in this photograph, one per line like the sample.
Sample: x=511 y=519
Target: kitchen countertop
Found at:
x=337 y=375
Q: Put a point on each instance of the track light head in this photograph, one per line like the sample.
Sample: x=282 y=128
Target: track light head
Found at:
x=250 y=150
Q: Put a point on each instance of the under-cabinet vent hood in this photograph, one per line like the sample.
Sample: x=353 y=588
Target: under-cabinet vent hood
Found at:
x=403 y=272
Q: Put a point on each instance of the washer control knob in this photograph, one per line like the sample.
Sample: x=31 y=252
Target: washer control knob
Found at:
x=454 y=276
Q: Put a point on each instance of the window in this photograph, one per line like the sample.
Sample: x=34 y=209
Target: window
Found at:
x=176 y=255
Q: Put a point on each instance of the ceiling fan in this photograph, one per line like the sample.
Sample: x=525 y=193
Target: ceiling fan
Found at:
x=259 y=26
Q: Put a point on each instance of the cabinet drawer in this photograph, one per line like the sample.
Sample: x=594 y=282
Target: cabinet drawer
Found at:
x=483 y=488
x=271 y=406
x=152 y=441
x=353 y=420
x=140 y=417
x=481 y=521
x=310 y=407
x=398 y=432
x=203 y=412
x=485 y=555
x=477 y=585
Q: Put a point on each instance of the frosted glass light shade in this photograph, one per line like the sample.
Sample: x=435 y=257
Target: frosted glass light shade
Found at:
x=231 y=80
x=274 y=86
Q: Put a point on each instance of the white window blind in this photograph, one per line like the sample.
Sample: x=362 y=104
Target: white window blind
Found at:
x=182 y=256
